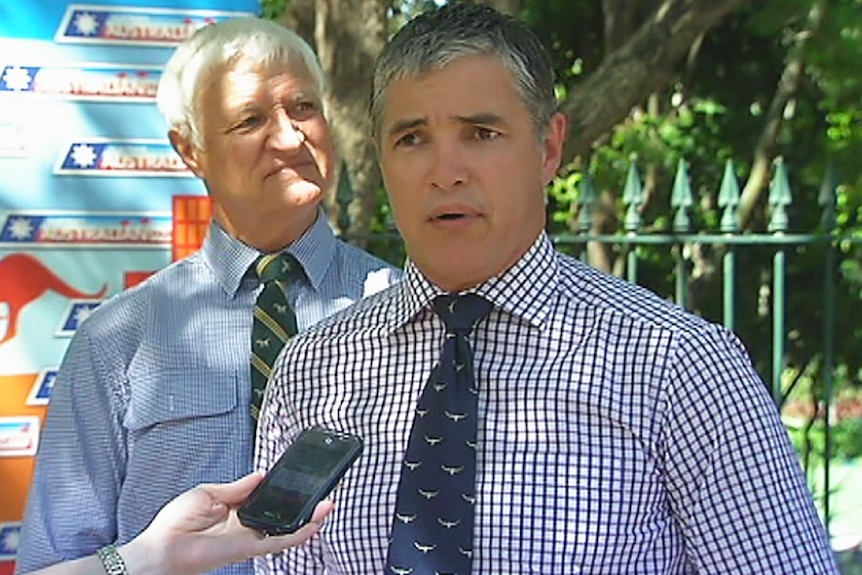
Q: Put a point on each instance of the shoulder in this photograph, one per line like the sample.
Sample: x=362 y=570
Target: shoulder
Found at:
x=129 y=308
x=632 y=317
x=617 y=299
x=689 y=347
x=369 y=315
x=349 y=253
x=358 y=265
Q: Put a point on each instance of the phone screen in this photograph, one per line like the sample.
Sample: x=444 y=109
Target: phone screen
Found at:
x=307 y=471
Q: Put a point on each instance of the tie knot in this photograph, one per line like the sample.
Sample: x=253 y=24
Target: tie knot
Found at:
x=461 y=313
x=271 y=267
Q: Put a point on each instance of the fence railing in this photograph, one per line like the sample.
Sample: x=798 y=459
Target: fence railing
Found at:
x=729 y=238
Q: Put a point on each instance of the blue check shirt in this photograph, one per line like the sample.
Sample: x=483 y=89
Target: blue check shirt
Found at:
x=153 y=394
x=617 y=434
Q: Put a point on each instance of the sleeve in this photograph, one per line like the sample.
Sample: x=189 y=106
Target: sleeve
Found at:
x=276 y=429
x=71 y=508
x=734 y=481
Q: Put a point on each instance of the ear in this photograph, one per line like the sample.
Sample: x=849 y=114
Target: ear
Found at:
x=552 y=146
x=187 y=150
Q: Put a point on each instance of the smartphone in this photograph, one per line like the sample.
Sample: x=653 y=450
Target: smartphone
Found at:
x=304 y=475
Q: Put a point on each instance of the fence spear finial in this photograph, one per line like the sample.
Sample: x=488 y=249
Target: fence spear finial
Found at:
x=728 y=199
x=681 y=198
x=779 y=198
x=633 y=197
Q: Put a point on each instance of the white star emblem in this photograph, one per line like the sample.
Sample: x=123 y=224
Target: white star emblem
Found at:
x=17 y=79
x=10 y=542
x=86 y=24
x=21 y=228
x=83 y=155
x=83 y=313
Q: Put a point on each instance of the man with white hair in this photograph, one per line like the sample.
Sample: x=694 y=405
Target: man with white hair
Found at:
x=160 y=387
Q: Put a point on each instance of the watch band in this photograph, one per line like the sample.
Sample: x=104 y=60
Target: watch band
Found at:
x=111 y=561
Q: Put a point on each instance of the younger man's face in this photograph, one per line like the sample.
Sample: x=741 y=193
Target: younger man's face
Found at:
x=465 y=170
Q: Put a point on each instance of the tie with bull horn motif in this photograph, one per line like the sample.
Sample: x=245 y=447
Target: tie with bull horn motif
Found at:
x=432 y=531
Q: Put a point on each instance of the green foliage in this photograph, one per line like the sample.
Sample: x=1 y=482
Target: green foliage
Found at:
x=273 y=9
x=716 y=109
x=846 y=439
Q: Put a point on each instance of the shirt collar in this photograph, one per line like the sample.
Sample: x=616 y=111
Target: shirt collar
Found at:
x=229 y=259
x=315 y=249
x=526 y=289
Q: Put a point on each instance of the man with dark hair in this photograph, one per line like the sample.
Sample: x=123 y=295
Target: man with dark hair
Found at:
x=523 y=412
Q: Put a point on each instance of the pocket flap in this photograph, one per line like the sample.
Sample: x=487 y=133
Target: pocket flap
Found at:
x=169 y=395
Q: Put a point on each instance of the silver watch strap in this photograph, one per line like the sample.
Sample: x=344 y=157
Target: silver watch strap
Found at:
x=111 y=561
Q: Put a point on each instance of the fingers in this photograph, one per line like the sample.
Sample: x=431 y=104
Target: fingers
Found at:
x=233 y=494
x=278 y=543
x=322 y=511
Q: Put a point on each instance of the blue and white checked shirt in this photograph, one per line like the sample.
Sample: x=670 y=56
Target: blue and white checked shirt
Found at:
x=618 y=435
x=153 y=394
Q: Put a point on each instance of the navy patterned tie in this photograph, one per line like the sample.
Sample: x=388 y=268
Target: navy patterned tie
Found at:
x=274 y=321
x=432 y=531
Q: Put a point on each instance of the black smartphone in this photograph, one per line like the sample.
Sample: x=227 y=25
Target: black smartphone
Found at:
x=305 y=474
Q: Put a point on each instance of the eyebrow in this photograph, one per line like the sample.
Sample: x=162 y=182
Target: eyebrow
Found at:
x=485 y=118
x=406 y=125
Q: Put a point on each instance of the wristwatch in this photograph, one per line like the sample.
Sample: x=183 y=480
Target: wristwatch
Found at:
x=111 y=561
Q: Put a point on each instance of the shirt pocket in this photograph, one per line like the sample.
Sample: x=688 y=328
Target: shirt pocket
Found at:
x=167 y=396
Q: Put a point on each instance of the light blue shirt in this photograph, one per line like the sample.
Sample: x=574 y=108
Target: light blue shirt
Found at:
x=153 y=394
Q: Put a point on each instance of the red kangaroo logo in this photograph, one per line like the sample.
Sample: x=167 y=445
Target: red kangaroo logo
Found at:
x=24 y=279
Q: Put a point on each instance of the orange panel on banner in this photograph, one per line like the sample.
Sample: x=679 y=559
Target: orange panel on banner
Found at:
x=16 y=470
x=191 y=215
x=93 y=197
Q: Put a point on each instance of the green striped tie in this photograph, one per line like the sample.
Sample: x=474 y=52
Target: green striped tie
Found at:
x=274 y=321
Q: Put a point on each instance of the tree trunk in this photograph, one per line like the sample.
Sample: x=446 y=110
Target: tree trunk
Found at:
x=765 y=151
x=619 y=17
x=620 y=20
x=349 y=35
x=641 y=66
x=299 y=17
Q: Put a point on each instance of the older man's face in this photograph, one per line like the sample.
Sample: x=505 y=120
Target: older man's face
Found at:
x=267 y=153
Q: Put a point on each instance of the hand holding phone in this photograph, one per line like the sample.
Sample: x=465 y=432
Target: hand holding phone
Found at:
x=305 y=474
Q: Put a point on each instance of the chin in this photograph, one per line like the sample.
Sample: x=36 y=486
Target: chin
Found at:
x=455 y=273
x=302 y=193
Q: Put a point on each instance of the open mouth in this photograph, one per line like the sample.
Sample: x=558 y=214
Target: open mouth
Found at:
x=454 y=213
x=450 y=217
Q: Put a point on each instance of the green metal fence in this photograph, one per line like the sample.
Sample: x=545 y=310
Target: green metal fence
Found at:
x=730 y=239
x=681 y=233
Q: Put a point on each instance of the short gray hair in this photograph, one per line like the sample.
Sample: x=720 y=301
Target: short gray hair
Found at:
x=436 y=38
x=230 y=41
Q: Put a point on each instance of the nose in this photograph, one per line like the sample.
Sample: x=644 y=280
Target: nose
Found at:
x=285 y=135
x=449 y=169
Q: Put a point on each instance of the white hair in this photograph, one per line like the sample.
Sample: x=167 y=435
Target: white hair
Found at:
x=228 y=42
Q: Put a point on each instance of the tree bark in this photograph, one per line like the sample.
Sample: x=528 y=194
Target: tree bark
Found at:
x=619 y=18
x=299 y=17
x=620 y=21
x=767 y=144
x=349 y=34
x=641 y=66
